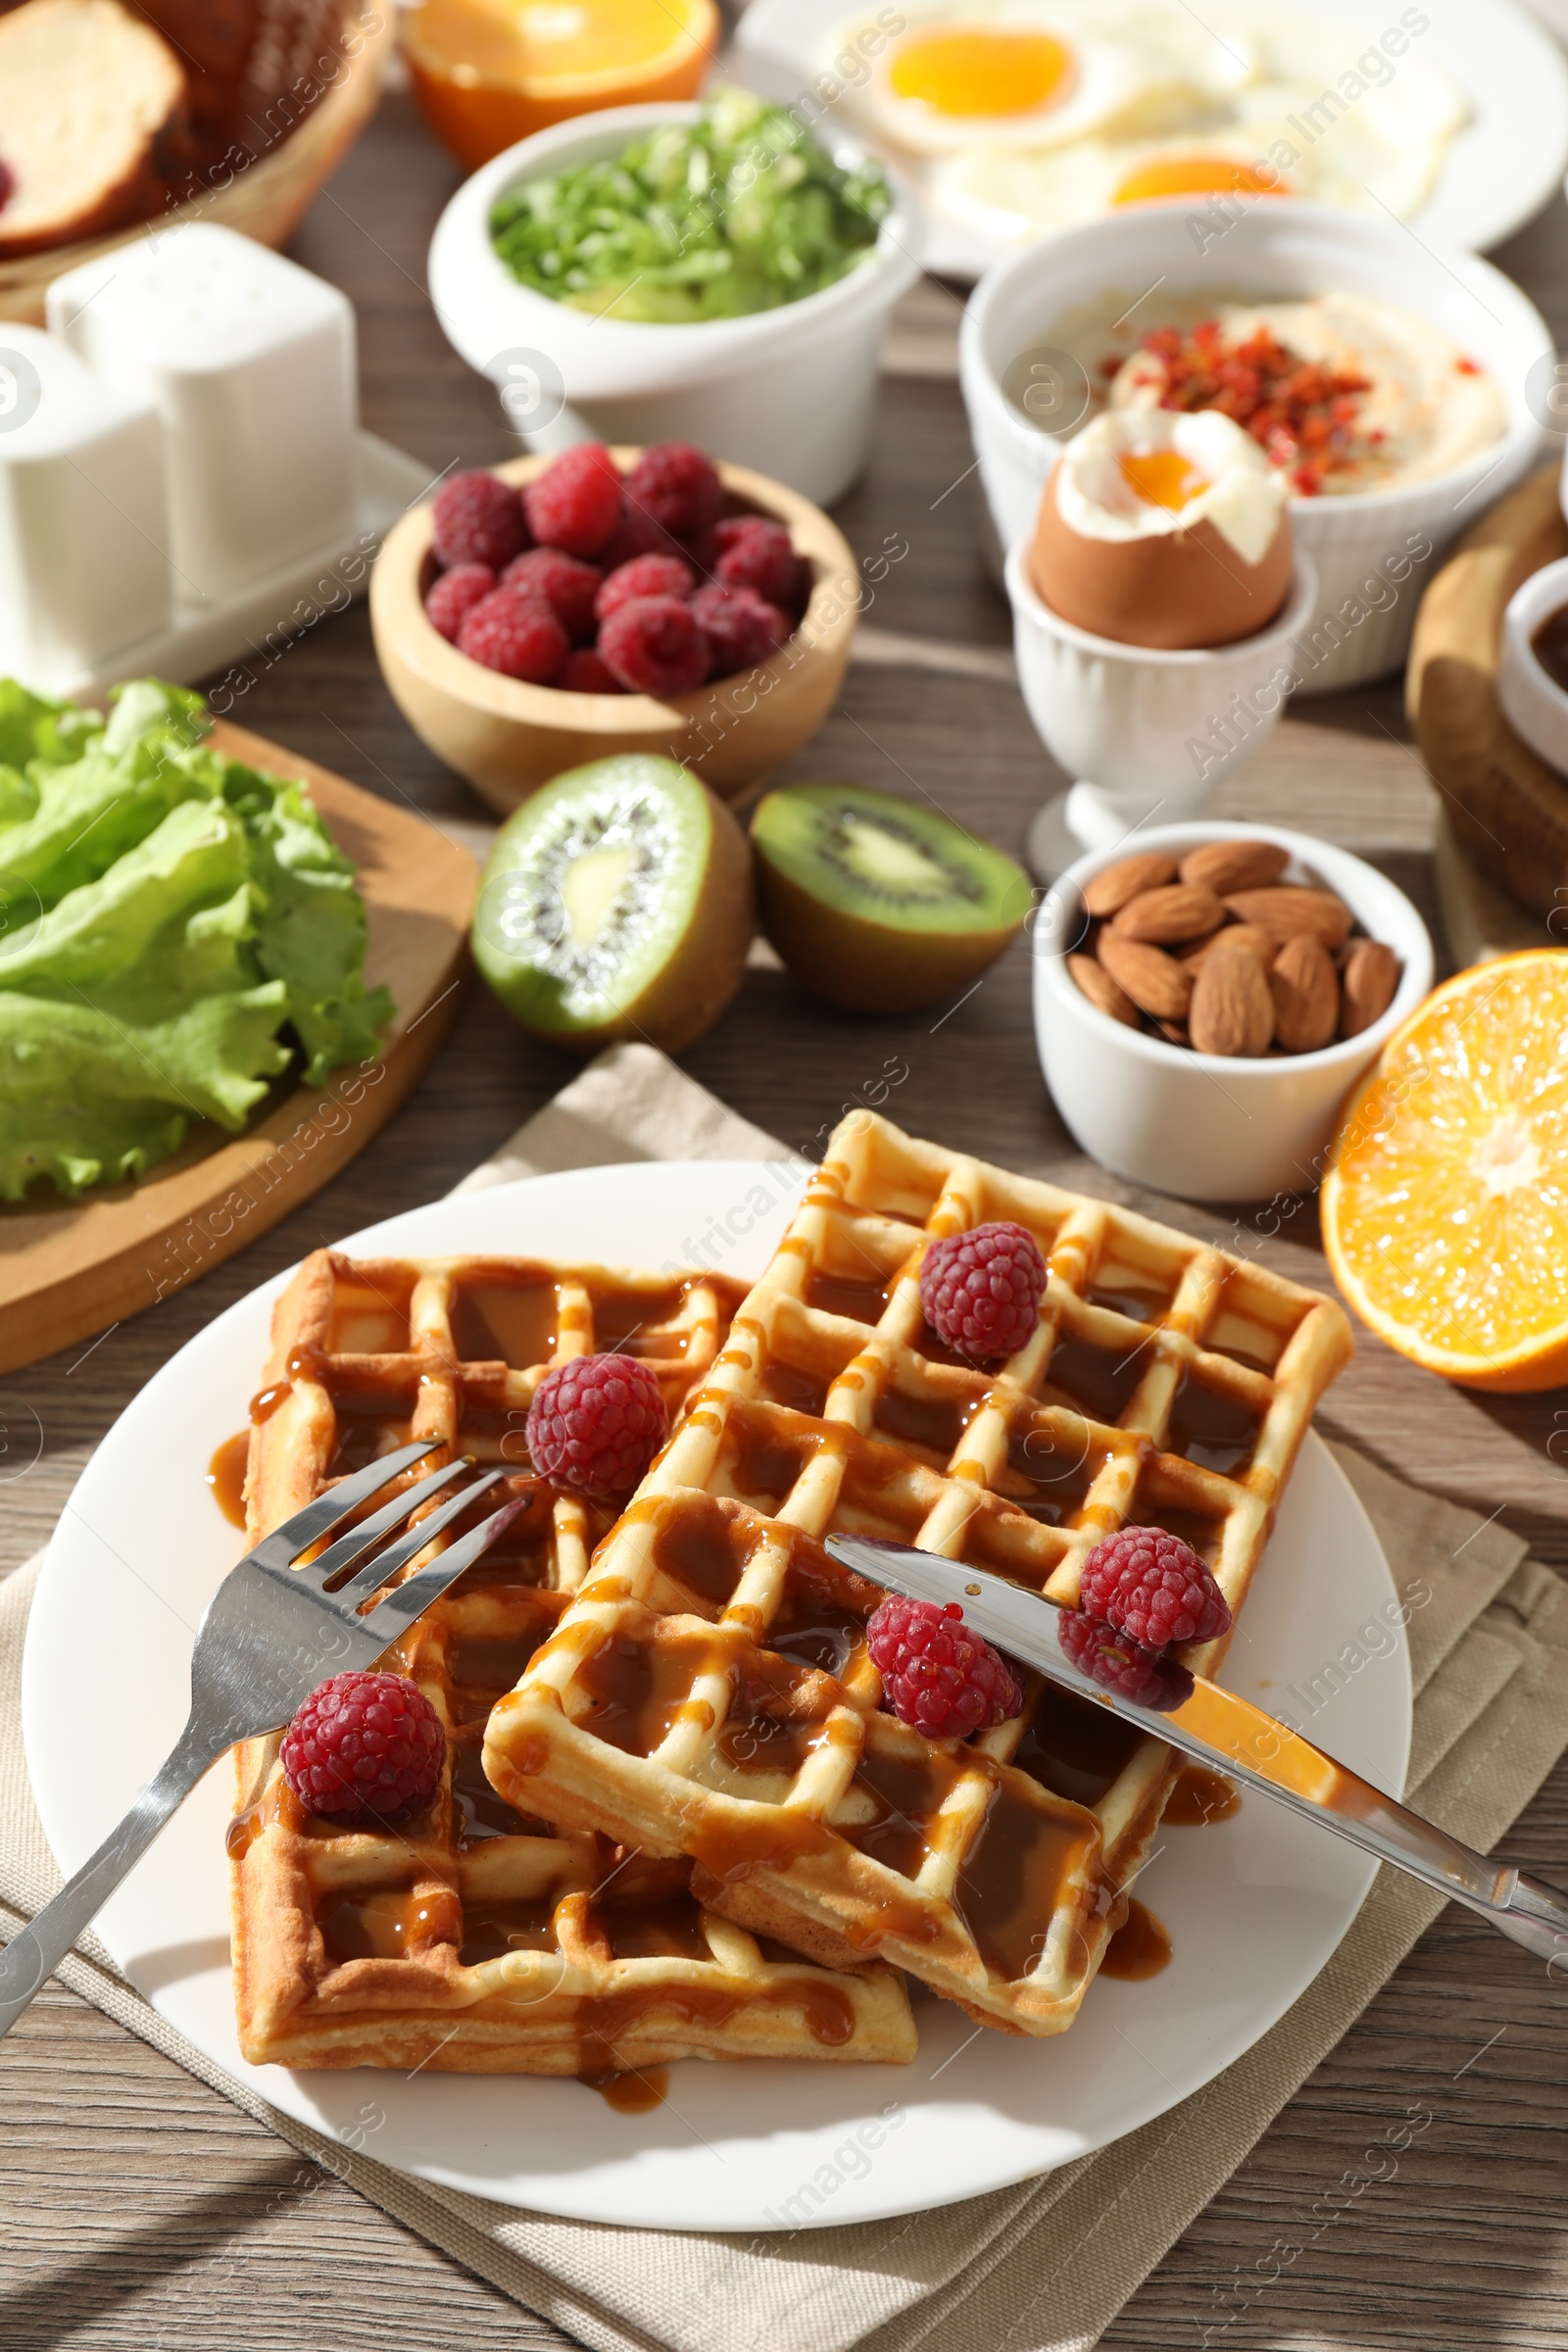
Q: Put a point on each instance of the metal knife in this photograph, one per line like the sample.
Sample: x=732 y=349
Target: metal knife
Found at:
x=1238 y=1738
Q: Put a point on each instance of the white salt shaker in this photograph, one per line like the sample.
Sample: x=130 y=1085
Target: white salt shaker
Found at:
x=83 y=568
x=249 y=360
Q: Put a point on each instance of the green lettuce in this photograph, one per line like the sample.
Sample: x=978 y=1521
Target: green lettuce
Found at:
x=174 y=928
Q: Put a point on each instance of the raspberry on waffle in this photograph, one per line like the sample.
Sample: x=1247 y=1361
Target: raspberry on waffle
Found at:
x=472 y=1937
x=1164 y=1383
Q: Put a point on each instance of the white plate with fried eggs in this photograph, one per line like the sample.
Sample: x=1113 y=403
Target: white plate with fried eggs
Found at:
x=1014 y=118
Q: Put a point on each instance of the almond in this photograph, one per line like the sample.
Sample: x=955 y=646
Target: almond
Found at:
x=1231 y=1010
x=1235 y=935
x=1111 y=887
x=1370 y=978
x=1223 y=867
x=1179 y=911
x=1286 y=911
x=1156 y=982
x=1101 y=989
x=1306 y=995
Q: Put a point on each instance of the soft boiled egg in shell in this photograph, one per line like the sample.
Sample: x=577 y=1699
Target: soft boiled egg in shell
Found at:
x=1164 y=529
x=1005 y=73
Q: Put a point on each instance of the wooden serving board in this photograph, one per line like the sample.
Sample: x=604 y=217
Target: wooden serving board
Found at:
x=1508 y=811
x=71 y=1269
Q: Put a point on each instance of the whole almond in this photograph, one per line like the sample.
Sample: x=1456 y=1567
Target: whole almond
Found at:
x=1285 y=911
x=1156 y=982
x=1111 y=887
x=1370 y=978
x=1223 y=867
x=1179 y=911
x=1101 y=989
x=1306 y=995
x=1231 y=1010
x=1235 y=935
x=1175 y=1033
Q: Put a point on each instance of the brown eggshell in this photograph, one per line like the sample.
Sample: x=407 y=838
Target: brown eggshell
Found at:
x=1174 y=591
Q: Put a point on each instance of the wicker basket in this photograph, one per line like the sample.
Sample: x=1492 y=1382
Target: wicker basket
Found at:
x=266 y=200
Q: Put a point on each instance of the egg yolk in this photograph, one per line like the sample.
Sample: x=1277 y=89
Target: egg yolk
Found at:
x=1161 y=477
x=1195 y=176
x=982 y=71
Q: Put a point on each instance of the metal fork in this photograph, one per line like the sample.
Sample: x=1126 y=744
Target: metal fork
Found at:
x=271 y=1631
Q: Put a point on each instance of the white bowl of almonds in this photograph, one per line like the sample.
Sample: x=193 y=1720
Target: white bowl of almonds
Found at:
x=1206 y=994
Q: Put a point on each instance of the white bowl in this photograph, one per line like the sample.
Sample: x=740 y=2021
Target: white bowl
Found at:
x=1198 y=1125
x=787 y=392
x=1535 y=706
x=1366 y=547
x=1151 y=728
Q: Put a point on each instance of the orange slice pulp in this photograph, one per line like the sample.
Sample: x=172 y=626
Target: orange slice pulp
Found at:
x=1446 y=1205
x=487 y=73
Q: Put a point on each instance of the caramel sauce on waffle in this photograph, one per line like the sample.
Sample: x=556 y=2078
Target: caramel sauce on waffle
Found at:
x=226 y=1476
x=1013 y=1877
x=636 y=2094
x=1217 y=1431
x=509 y=1323
x=638 y=1688
x=1139 y=1948
x=907 y=1791
x=668 y=1931
x=478 y=1813
x=1075 y=1748
x=387 y=1926
x=856 y=1302
x=1200 y=1796
x=698 y=1547
x=1095 y=1381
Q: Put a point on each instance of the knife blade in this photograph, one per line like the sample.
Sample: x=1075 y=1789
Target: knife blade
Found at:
x=1220 y=1730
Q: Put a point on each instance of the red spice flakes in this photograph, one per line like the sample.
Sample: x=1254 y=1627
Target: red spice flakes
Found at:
x=1469 y=367
x=1301 y=414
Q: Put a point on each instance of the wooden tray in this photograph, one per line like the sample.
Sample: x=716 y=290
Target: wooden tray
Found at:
x=70 y=1269
x=1508 y=810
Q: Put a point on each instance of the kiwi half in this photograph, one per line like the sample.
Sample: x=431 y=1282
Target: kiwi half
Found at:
x=617 y=903
x=876 y=904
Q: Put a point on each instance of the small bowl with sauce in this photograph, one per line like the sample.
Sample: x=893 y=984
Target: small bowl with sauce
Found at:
x=1533 y=664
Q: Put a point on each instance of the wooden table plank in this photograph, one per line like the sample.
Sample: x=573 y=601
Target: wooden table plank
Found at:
x=140 y=2210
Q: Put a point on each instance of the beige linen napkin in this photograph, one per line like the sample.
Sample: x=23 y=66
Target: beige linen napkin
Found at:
x=1042 y=2267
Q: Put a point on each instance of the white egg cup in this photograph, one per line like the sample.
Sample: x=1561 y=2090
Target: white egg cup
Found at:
x=1535 y=706
x=1148 y=734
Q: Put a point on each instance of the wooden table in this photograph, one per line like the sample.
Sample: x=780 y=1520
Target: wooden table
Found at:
x=140 y=2208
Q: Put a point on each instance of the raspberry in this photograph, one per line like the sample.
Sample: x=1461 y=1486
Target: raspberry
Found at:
x=585 y=674
x=575 y=504
x=936 y=1674
x=563 y=583
x=454 y=594
x=364 y=1747
x=645 y=575
x=596 y=1423
x=981 y=1290
x=753 y=553
x=1110 y=1658
x=679 y=487
x=741 y=627
x=515 y=634
x=635 y=534
x=1154 y=1587
x=654 y=646
x=478 y=519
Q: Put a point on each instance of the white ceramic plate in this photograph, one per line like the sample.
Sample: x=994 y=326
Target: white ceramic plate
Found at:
x=1498 y=173
x=1256 y=1905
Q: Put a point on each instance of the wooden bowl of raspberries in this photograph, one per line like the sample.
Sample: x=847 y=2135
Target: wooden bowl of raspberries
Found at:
x=1206 y=995
x=552 y=610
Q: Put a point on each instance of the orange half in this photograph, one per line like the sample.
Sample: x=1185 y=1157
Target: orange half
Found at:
x=1446 y=1205
x=487 y=73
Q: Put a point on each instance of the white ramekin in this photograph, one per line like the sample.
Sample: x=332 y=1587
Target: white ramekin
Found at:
x=1198 y=1125
x=1366 y=548
x=1151 y=729
x=787 y=392
x=1535 y=706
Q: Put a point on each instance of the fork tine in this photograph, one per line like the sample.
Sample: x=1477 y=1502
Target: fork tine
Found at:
x=408 y=1546
x=394 y=1615
x=359 y=1540
x=316 y=1519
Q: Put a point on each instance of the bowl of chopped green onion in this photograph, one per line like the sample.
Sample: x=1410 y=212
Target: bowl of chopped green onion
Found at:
x=708 y=273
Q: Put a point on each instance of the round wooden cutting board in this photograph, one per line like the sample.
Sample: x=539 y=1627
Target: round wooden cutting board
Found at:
x=1508 y=810
x=70 y=1269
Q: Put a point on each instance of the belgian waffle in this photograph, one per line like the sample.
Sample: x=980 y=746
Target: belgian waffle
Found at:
x=1168 y=1383
x=476 y=1939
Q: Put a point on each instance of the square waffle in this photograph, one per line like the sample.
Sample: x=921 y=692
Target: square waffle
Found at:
x=1168 y=1383
x=474 y=1937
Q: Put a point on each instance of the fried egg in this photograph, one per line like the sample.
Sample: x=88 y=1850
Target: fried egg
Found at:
x=998 y=74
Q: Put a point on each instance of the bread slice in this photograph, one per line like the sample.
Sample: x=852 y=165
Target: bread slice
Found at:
x=89 y=98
